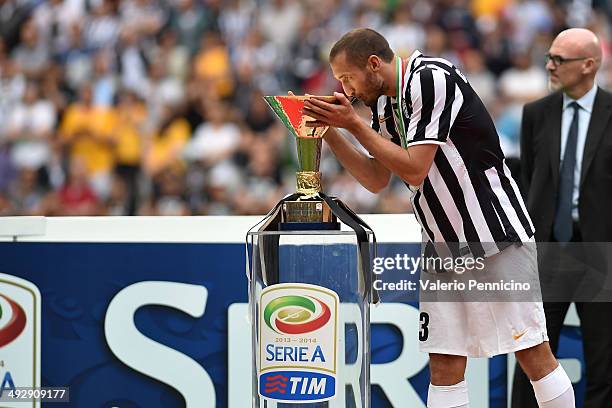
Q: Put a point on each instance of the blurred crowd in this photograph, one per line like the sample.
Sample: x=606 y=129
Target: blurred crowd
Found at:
x=154 y=107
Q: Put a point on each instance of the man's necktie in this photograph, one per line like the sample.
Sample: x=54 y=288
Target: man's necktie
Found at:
x=563 y=228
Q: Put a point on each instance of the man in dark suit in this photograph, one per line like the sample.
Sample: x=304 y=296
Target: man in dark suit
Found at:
x=566 y=160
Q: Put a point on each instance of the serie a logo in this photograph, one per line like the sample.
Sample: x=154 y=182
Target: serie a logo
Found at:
x=19 y=336
x=12 y=320
x=298 y=334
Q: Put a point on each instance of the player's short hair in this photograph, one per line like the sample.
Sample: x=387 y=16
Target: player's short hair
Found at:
x=359 y=44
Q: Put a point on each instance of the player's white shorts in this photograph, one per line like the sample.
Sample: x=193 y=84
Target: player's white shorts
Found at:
x=474 y=328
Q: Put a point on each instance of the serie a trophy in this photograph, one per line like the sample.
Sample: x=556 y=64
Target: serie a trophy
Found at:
x=310 y=287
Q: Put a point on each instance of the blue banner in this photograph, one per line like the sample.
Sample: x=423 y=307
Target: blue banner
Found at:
x=146 y=325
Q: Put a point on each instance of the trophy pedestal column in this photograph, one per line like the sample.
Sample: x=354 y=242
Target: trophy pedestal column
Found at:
x=310 y=315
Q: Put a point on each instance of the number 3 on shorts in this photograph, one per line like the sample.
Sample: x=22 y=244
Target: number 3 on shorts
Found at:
x=424 y=329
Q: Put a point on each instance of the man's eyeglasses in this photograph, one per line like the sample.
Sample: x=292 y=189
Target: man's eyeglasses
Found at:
x=559 y=60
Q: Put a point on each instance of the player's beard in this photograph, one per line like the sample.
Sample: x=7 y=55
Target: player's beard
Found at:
x=374 y=88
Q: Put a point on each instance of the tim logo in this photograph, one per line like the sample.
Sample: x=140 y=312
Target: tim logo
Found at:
x=12 y=320
x=297 y=386
x=276 y=383
x=296 y=314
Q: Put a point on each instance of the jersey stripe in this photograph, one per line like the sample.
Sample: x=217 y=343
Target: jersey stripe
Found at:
x=427 y=103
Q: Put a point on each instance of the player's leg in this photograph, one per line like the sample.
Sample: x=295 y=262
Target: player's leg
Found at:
x=446 y=369
x=522 y=391
x=537 y=362
x=520 y=326
x=448 y=388
x=444 y=335
x=551 y=385
x=447 y=353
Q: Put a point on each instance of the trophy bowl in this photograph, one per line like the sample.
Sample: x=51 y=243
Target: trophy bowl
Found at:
x=290 y=110
x=309 y=141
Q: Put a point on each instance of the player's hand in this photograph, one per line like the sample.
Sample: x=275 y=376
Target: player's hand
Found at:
x=339 y=115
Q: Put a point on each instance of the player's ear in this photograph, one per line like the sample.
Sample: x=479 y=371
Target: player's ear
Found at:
x=374 y=62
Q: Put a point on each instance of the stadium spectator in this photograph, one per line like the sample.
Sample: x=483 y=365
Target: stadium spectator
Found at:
x=32 y=54
x=212 y=65
x=280 y=16
x=76 y=197
x=168 y=196
x=174 y=54
x=30 y=125
x=216 y=139
x=403 y=34
x=75 y=58
x=481 y=79
x=103 y=82
x=190 y=20
x=160 y=89
x=27 y=194
x=164 y=144
x=13 y=14
x=54 y=20
x=86 y=131
x=132 y=62
x=102 y=28
x=262 y=182
x=130 y=130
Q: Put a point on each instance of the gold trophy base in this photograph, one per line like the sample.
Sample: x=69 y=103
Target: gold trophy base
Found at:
x=306 y=211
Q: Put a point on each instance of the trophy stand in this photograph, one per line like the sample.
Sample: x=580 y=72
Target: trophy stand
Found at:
x=310 y=287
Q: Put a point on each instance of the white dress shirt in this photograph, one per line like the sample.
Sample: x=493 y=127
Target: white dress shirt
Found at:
x=584 y=117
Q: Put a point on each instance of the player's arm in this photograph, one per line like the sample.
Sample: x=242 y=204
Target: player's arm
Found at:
x=411 y=165
x=368 y=171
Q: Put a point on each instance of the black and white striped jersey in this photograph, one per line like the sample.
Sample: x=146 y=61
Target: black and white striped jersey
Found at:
x=469 y=197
